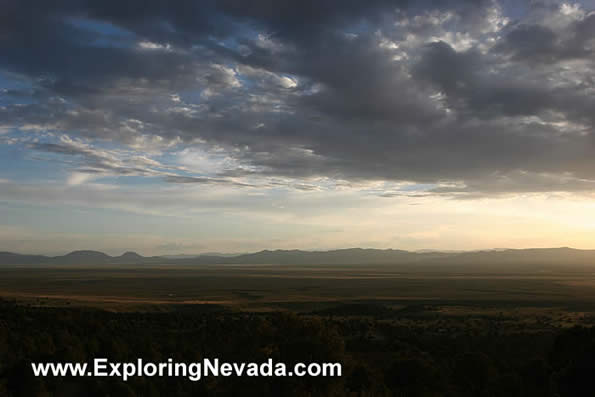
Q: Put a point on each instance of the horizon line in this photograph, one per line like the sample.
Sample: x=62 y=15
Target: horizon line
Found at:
x=211 y=253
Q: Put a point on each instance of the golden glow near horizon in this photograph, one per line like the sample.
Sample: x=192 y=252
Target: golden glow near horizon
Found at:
x=182 y=220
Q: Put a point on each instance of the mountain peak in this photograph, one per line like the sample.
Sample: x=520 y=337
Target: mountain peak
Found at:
x=86 y=253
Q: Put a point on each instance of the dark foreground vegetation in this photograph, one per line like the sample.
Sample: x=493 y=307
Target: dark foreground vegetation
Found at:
x=413 y=350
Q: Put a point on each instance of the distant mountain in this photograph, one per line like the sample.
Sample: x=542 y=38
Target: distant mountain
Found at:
x=130 y=255
x=9 y=258
x=208 y=254
x=532 y=256
x=222 y=254
x=360 y=256
x=352 y=256
x=83 y=258
x=180 y=256
x=128 y=258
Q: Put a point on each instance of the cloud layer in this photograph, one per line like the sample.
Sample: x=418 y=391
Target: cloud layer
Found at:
x=465 y=98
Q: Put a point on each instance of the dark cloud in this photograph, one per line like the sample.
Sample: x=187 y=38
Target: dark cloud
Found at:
x=538 y=44
x=471 y=86
x=433 y=92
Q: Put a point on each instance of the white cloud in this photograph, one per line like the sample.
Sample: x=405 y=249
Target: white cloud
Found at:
x=148 y=45
x=266 y=78
x=203 y=161
x=573 y=10
x=227 y=75
x=77 y=178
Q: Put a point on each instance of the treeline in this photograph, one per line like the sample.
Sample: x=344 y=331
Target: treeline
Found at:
x=379 y=358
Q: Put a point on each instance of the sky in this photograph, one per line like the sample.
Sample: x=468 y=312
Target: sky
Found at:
x=234 y=126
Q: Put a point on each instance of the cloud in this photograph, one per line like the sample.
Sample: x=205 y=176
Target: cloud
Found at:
x=556 y=35
x=93 y=160
x=77 y=178
x=451 y=93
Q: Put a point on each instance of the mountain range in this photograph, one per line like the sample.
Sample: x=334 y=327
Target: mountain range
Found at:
x=351 y=256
